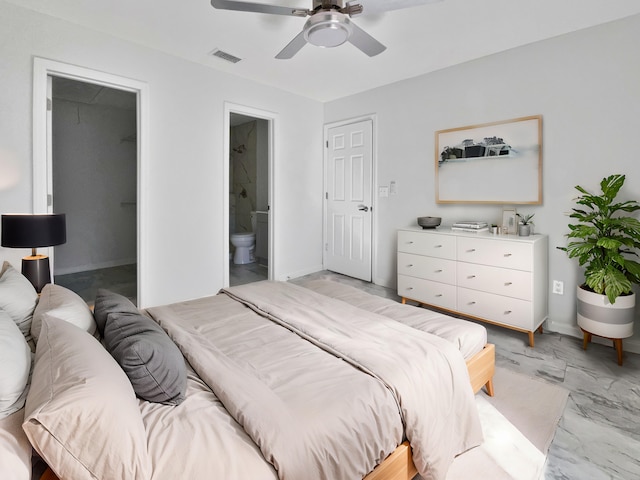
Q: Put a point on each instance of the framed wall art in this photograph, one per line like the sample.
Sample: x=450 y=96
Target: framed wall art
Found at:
x=509 y=221
x=498 y=162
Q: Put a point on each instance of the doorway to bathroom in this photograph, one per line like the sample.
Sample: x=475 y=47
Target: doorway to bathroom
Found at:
x=249 y=198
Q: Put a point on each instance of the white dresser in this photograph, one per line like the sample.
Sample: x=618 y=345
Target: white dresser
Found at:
x=500 y=279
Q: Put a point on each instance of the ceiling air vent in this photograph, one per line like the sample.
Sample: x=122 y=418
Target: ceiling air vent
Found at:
x=224 y=56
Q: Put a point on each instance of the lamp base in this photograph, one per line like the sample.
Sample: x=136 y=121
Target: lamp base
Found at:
x=36 y=269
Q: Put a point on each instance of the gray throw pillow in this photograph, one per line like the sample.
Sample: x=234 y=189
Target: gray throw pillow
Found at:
x=154 y=364
x=108 y=302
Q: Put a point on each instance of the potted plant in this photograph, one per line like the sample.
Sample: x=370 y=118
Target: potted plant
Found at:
x=605 y=241
x=524 y=227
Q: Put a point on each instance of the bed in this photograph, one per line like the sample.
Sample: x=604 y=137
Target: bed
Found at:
x=342 y=398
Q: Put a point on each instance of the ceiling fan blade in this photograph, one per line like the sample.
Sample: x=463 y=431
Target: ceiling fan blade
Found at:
x=365 y=42
x=258 y=7
x=293 y=47
x=373 y=7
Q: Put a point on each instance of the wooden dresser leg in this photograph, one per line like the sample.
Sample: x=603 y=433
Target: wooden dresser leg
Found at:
x=404 y=300
x=586 y=340
x=617 y=342
x=532 y=342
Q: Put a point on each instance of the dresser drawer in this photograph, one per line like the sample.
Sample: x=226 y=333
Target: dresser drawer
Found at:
x=441 y=246
x=430 y=268
x=501 y=281
x=506 y=254
x=505 y=310
x=427 y=291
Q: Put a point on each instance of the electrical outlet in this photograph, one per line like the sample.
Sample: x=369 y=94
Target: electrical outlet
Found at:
x=558 y=287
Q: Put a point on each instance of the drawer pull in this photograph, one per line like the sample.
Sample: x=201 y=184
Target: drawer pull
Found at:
x=439 y=271
x=409 y=288
x=507 y=312
x=507 y=254
x=437 y=246
x=410 y=265
x=471 y=250
x=471 y=303
x=410 y=242
x=471 y=276
x=439 y=295
x=506 y=284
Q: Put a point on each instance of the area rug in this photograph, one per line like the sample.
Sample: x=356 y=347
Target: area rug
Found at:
x=518 y=423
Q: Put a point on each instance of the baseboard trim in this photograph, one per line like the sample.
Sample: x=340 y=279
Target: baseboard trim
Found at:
x=300 y=273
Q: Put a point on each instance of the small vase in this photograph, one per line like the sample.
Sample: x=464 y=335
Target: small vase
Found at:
x=524 y=230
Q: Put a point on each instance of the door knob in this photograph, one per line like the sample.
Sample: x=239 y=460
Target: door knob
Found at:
x=363 y=208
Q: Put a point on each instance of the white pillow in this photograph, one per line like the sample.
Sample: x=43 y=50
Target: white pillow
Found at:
x=15 y=449
x=82 y=415
x=60 y=302
x=15 y=364
x=17 y=297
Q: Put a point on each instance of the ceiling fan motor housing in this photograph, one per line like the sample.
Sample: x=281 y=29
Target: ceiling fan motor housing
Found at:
x=327 y=29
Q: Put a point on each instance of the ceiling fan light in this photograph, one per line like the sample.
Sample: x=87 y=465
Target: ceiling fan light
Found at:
x=328 y=29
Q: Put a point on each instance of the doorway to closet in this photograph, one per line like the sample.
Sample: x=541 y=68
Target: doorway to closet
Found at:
x=96 y=176
x=94 y=182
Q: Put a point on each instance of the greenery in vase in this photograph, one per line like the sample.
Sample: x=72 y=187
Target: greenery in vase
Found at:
x=604 y=240
x=525 y=219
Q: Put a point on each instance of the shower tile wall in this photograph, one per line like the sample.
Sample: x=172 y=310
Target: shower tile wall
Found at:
x=243 y=176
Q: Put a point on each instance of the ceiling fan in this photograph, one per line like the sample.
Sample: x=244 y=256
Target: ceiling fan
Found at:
x=328 y=24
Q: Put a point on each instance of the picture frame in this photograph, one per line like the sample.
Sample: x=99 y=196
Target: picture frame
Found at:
x=493 y=163
x=509 y=221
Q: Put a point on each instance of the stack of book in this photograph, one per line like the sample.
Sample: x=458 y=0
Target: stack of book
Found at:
x=469 y=226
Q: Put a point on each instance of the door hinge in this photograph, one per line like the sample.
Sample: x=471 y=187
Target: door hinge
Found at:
x=326 y=195
x=326 y=247
x=49 y=199
x=327 y=143
x=49 y=105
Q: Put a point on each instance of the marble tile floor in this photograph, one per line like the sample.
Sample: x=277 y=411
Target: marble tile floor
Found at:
x=598 y=436
x=247 y=273
x=122 y=280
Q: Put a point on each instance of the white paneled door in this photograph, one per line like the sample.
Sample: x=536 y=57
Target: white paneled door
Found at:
x=348 y=200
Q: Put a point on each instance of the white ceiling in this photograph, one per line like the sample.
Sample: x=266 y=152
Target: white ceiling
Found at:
x=419 y=40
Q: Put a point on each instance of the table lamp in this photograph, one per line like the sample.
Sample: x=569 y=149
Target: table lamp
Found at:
x=33 y=231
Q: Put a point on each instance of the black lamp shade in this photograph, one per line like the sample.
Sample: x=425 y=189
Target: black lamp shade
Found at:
x=32 y=231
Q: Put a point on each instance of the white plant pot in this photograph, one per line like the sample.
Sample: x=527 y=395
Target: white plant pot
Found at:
x=524 y=230
x=600 y=317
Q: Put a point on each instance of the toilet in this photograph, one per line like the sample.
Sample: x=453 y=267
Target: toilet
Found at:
x=245 y=244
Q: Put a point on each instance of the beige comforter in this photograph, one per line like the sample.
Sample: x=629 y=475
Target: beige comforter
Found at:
x=469 y=337
x=313 y=415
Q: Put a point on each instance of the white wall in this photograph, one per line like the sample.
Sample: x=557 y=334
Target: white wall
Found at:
x=586 y=85
x=94 y=185
x=185 y=204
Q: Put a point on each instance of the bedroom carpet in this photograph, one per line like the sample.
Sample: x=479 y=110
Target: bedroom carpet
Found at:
x=519 y=423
